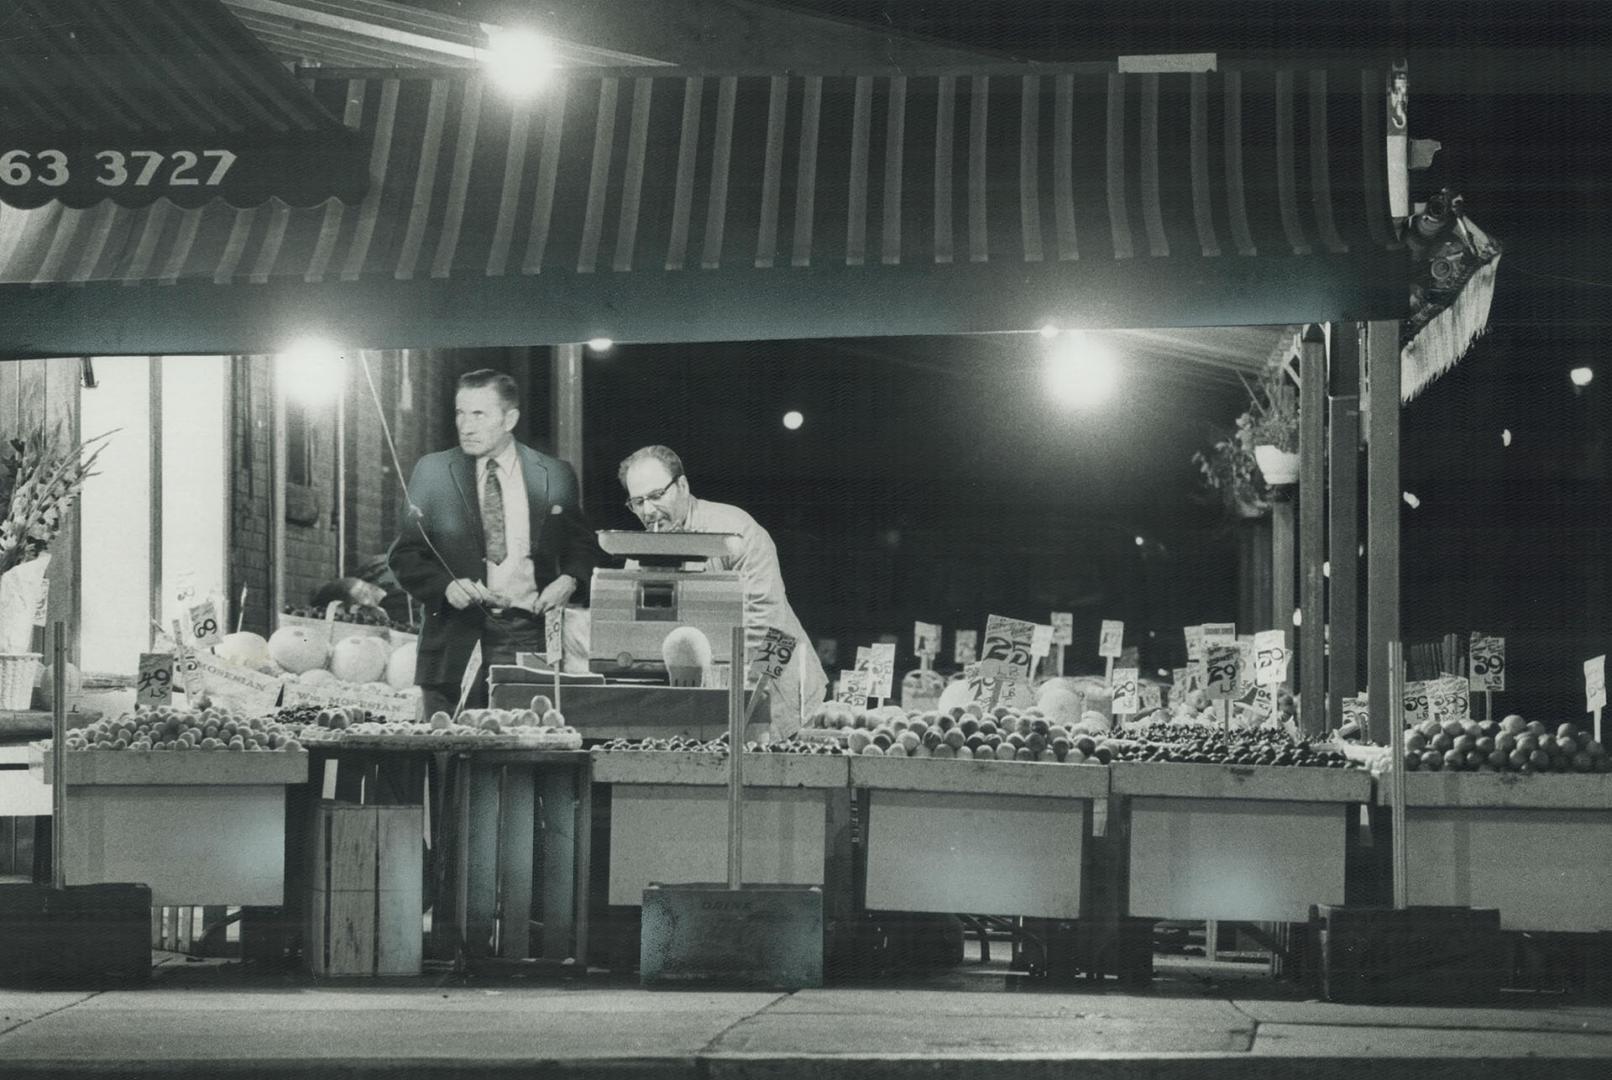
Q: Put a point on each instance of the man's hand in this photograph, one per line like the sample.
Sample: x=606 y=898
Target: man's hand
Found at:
x=463 y=592
x=556 y=594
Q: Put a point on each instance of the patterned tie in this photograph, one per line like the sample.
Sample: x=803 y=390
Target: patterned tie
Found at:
x=492 y=516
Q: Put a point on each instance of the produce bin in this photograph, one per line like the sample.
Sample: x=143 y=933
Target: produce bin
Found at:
x=1249 y=843
x=199 y=827
x=668 y=818
x=997 y=838
x=1537 y=847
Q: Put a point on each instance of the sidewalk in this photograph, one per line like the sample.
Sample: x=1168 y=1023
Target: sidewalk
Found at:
x=1205 y=1022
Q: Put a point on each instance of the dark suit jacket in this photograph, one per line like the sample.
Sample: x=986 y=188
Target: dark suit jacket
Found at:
x=443 y=487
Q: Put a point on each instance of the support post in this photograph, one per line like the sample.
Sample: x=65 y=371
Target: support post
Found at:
x=1343 y=516
x=566 y=406
x=277 y=453
x=1382 y=513
x=1312 y=531
x=1283 y=537
x=154 y=491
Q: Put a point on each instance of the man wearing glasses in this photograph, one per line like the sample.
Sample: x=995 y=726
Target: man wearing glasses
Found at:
x=658 y=494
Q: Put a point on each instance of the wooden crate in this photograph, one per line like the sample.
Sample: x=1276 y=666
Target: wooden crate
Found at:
x=364 y=897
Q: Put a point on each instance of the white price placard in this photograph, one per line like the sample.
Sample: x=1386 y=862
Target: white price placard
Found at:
x=1007 y=647
x=1449 y=698
x=1595 y=683
x=1126 y=701
x=1041 y=641
x=966 y=648
x=926 y=639
x=1415 y=702
x=1063 y=627
x=155 y=685
x=1220 y=666
x=852 y=688
x=1488 y=662
x=1015 y=693
x=1245 y=662
x=1223 y=633
x=1152 y=697
x=205 y=625
x=1194 y=636
x=1270 y=658
x=878 y=662
x=1111 y=638
x=773 y=655
x=1356 y=712
x=554 y=636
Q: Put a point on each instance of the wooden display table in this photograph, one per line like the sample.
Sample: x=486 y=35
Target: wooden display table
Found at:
x=989 y=837
x=668 y=818
x=1254 y=843
x=199 y=827
x=1538 y=847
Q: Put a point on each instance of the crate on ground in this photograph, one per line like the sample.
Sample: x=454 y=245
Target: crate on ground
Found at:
x=364 y=896
x=1416 y=955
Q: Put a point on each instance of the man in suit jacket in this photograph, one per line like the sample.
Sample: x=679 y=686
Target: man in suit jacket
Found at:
x=492 y=539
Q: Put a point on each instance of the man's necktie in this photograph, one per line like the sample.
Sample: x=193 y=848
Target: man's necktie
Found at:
x=492 y=516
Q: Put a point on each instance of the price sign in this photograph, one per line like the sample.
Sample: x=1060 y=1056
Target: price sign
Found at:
x=1245 y=662
x=1220 y=666
x=1111 y=639
x=773 y=655
x=1063 y=627
x=1152 y=697
x=1355 y=712
x=1194 y=636
x=1125 y=693
x=1449 y=698
x=852 y=688
x=1415 y=702
x=1007 y=647
x=1488 y=656
x=1178 y=680
x=926 y=639
x=1041 y=641
x=878 y=663
x=204 y=624
x=1595 y=683
x=1270 y=658
x=965 y=650
x=1015 y=693
x=554 y=636
x=156 y=680
x=1219 y=633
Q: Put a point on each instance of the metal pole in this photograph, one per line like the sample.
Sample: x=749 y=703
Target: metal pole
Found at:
x=735 y=759
x=1396 y=775
x=277 y=469
x=341 y=472
x=58 y=748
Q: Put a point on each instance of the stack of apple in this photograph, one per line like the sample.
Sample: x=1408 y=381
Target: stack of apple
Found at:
x=719 y=745
x=1509 y=745
x=167 y=728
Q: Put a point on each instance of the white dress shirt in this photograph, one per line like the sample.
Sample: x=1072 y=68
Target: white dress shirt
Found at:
x=513 y=579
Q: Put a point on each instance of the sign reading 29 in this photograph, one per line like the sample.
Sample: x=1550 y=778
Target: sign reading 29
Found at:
x=117 y=168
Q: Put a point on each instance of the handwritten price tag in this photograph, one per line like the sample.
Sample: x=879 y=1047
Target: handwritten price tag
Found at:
x=965 y=650
x=1220 y=666
x=1270 y=658
x=1126 y=701
x=205 y=624
x=1152 y=697
x=1449 y=698
x=1245 y=661
x=1488 y=655
x=1015 y=693
x=1007 y=648
x=156 y=679
x=852 y=688
x=773 y=655
x=1063 y=627
x=1111 y=639
x=554 y=636
x=1041 y=641
x=1415 y=702
x=1194 y=636
x=926 y=639
x=1356 y=712
x=878 y=662
x=1595 y=683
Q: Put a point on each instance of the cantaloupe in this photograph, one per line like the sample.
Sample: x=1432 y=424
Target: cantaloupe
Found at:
x=400 y=667
x=317 y=677
x=243 y=649
x=359 y=659
x=296 y=649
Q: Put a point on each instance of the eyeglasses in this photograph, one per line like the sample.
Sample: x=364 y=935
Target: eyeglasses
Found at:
x=636 y=503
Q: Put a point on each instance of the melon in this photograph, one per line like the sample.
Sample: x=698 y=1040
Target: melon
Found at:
x=243 y=649
x=317 y=677
x=955 y=694
x=47 y=684
x=400 y=668
x=1060 y=706
x=296 y=649
x=359 y=658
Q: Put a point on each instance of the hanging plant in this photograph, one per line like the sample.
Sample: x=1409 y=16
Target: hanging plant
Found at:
x=1260 y=452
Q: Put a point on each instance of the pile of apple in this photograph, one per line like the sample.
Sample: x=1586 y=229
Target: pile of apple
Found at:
x=168 y=728
x=1194 y=743
x=719 y=745
x=1509 y=745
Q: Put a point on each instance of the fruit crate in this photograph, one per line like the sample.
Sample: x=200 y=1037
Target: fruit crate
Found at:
x=1245 y=843
x=363 y=906
x=200 y=827
x=668 y=818
x=987 y=837
x=1538 y=847
x=1420 y=955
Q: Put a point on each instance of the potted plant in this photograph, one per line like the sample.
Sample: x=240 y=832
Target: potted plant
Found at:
x=1229 y=469
x=1273 y=429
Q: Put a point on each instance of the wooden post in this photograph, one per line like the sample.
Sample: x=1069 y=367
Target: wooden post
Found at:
x=277 y=469
x=154 y=489
x=1313 y=711
x=1283 y=539
x=1382 y=513
x=565 y=406
x=1343 y=516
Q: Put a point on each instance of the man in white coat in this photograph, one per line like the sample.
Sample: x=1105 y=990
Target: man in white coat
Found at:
x=658 y=493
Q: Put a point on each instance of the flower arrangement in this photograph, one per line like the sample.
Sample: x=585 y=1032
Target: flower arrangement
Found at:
x=39 y=479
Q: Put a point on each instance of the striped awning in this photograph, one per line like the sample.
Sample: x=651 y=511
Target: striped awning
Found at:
x=134 y=102
x=684 y=207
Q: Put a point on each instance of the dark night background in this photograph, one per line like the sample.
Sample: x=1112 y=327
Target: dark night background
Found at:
x=932 y=481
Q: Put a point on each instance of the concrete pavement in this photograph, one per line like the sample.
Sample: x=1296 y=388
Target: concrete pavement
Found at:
x=223 y=1020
